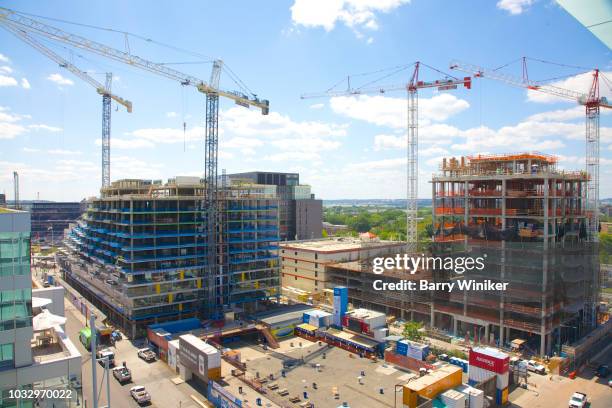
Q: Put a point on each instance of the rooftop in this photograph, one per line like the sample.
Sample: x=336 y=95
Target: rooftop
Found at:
x=332 y=245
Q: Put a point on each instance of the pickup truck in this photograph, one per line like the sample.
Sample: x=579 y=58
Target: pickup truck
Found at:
x=146 y=354
x=106 y=353
x=122 y=374
x=578 y=400
x=140 y=395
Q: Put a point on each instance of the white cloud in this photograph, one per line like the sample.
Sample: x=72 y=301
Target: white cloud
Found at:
x=242 y=143
x=355 y=14
x=514 y=7
x=30 y=150
x=63 y=152
x=6 y=69
x=9 y=128
x=168 y=135
x=559 y=115
x=392 y=112
x=4 y=58
x=25 y=84
x=171 y=114
x=60 y=80
x=7 y=81
x=579 y=83
x=47 y=128
x=317 y=106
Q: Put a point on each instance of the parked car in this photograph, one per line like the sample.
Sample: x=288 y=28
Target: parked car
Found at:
x=140 y=394
x=111 y=282
x=122 y=374
x=535 y=367
x=101 y=354
x=578 y=400
x=146 y=354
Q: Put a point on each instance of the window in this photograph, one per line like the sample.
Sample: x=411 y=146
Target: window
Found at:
x=296 y=261
x=6 y=355
x=316 y=283
x=295 y=269
x=296 y=254
x=316 y=274
x=316 y=265
x=15 y=308
x=295 y=277
x=316 y=256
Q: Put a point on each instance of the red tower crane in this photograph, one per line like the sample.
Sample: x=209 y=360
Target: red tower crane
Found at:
x=592 y=102
x=412 y=87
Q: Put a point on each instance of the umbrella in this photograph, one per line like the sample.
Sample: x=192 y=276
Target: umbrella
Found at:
x=40 y=302
x=46 y=320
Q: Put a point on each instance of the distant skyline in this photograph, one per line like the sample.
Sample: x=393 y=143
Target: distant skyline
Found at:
x=344 y=147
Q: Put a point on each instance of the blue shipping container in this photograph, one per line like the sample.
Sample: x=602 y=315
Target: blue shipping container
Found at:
x=472 y=382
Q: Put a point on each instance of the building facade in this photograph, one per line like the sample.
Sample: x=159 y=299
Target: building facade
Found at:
x=140 y=253
x=300 y=213
x=31 y=357
x=304 y=262
x=50 y=219
x=528 y=219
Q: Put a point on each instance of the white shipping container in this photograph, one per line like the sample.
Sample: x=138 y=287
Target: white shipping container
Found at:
x=213 y=356
x=453 y=399
x=474 y=396
x=479 y=374
x=380 y=333
x=501 y=381
x=376 y=321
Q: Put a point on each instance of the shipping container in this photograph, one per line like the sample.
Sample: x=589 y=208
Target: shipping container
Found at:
x=501 y=396
x=478 y=374
x=380 y=333
x=490 y=359
x=402 y=347
x=475 y=397
x=501 y=382
x=453 y=399
x=431 y=385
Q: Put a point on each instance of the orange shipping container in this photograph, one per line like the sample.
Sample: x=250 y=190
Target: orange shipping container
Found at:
x=431 y=385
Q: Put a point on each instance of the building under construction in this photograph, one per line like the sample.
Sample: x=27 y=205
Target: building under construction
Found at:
x=528 y=219
x=140 y=252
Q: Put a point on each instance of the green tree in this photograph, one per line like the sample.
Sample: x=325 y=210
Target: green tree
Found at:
x=411 y=331
x=324 y=233
x=605 y=248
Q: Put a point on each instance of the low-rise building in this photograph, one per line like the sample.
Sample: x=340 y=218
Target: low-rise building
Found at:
x=304 y=262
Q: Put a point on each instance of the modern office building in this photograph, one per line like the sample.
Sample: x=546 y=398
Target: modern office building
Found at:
x=300 y=213
x=528 y=219
x=50 y=219
x=304 y=262
x=140 y=252
x=34 y=353
x=2 y=200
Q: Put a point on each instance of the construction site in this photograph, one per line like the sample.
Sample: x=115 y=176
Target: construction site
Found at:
x=139 y=254
x=528 y=218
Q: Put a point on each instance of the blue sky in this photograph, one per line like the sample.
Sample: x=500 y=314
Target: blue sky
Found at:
x=345 y=147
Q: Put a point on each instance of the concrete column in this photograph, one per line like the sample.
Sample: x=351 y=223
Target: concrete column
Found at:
x=503 y=220
x=487 y=325
x=454 y=326
x=465 y=202
x=432 y=317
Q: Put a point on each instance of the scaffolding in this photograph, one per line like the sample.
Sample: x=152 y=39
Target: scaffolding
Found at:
x=528 y=218
x=144 y=244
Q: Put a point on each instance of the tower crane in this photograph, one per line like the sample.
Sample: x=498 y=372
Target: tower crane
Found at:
x=592 y=103
x=412 y=88
x=104 y=90
x=212 y=91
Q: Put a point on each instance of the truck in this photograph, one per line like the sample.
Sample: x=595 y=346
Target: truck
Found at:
x=140 y=395
x=578 y=400
x=106 y=353
x=122 y=374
